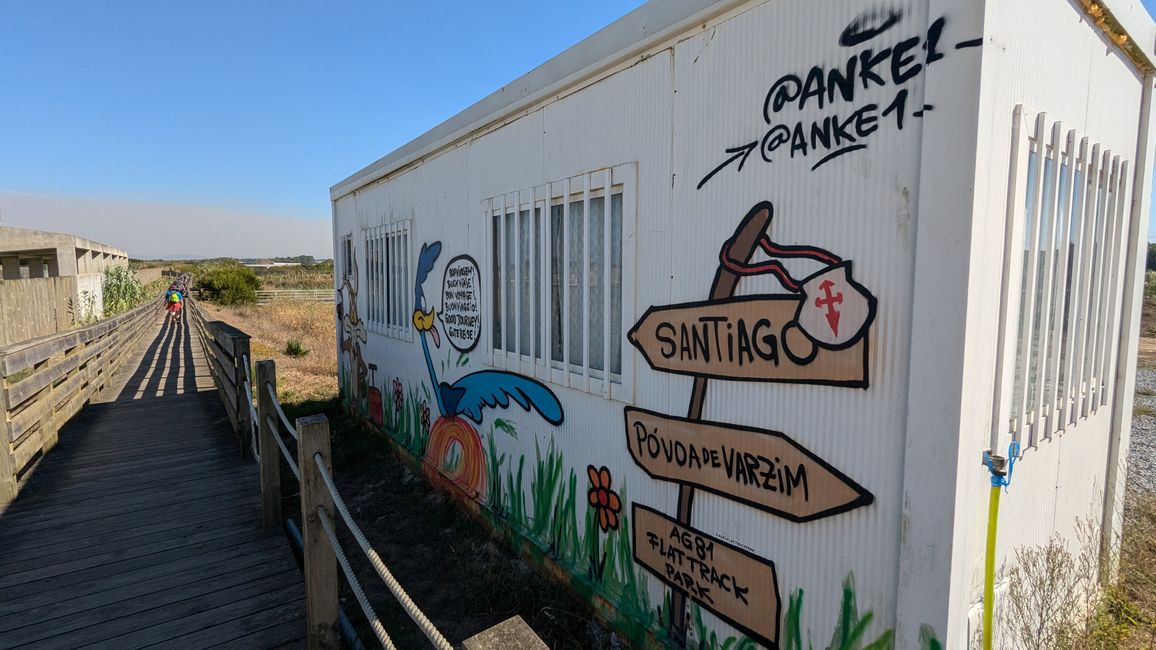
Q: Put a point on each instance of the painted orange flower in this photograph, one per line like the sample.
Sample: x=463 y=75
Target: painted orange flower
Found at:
x=604 y=500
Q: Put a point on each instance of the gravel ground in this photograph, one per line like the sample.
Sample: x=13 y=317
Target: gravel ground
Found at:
x=1142 y=453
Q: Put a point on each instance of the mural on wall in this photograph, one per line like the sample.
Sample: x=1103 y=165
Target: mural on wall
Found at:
x=351 y=332
x=454 y=447
x=817 y=333
x=892 y=66
x=461 y=307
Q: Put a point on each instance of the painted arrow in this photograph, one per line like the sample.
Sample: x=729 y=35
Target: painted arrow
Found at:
x=737 y=585
x=751 y=338
x=759 y=467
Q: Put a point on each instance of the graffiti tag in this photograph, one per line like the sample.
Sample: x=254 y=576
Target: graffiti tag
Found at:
x=846 y=121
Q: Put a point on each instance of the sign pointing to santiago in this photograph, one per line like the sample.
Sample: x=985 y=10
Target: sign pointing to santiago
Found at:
x=754 y=338
x=762 y=468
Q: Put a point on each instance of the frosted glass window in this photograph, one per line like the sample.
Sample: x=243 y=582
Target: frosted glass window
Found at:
x=556 y=280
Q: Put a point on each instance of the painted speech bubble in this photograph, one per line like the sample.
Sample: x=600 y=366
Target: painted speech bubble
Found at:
x=461 y=304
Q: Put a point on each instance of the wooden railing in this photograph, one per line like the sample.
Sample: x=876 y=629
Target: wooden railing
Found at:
x=227 y=352
x=45 y=381
x=259 y=428
x=303 y=295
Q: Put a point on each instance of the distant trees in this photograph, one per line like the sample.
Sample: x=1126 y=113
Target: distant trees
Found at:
x=229 y=284
x=1151 y=264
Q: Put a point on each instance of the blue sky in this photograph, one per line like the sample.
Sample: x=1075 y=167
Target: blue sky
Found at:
x=242 y=107
x=118 y=118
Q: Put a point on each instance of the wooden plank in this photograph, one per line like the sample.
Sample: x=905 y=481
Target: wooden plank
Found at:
x=161 y=623
x=27 y=554
x=122 y=511
x=139 y=609
x=137 y=589
x=273 y=626
x=141 y=528
x=191 y=561
x=285 y=636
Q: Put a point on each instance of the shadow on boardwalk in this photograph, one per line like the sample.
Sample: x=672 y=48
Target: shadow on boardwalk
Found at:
x=141 y=528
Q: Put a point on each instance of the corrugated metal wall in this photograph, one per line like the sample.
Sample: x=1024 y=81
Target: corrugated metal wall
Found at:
x=819 y=110
x=1051 y=58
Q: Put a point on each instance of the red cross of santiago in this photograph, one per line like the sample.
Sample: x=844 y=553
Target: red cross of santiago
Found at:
x=829 y=301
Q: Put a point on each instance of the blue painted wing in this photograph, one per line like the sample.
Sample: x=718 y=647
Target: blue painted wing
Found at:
x=425 y=263
x=495 y=388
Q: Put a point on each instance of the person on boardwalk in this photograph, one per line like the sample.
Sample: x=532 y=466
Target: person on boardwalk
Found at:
x=175 y=299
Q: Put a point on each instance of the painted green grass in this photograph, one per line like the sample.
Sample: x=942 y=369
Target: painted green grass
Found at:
x=850 y=631
x=603 y=562
x=404 y=426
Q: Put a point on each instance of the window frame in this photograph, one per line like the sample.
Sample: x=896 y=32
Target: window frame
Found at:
x=388 y=271
x=1085 y=192
x=587 y=188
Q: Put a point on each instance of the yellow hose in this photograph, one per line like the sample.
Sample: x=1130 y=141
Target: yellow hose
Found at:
x=989 y=567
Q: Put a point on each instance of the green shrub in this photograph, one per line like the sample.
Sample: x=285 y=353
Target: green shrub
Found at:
x=122 y=291
x=230 y=284
x=294 y=349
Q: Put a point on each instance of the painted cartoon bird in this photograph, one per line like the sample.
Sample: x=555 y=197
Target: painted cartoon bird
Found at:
x=454 y=444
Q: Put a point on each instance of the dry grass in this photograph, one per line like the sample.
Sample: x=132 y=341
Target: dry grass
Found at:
x=312 y=377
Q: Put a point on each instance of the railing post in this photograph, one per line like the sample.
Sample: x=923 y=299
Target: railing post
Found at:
x=7 y=466
x=244 y=399
x=267 y=445
x=321 y=607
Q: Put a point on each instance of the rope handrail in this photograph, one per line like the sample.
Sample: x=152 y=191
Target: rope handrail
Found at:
x=354 y=585
x=284 y=450
x=277 y=406
x=414 y=612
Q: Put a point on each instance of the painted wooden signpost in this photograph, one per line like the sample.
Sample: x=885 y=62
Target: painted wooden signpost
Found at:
x=816 y=335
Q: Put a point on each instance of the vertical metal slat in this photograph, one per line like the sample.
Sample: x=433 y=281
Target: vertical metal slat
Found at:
x=1029 y=284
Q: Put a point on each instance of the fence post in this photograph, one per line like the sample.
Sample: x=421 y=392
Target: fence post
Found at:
x=267 y=445
x=7 y=466
x=244 y=399
x=321 y=608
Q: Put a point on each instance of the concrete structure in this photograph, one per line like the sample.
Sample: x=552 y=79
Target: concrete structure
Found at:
x=33 y=254
x=28 y=253
x=721 y=307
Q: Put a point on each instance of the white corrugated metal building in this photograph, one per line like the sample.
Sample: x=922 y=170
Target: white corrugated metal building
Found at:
x=720 y=308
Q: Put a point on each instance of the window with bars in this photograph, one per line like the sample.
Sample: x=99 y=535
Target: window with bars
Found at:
x=388 y=279
x=1064 y=273
x=347 y=255
x=556 y=278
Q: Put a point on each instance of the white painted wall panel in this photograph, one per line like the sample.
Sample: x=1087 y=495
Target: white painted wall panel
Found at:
x=914 y=200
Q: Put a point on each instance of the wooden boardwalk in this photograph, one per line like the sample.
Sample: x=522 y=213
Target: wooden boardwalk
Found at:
x=142 y=527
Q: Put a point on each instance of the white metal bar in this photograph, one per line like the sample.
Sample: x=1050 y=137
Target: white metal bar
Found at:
x=1091 y=175
x=1063 y=238
x=406 y=280
x=1095 y=307
x=1102 y=283
x=502 y=289
x=378 y=302
x=548 y=264
x=488 y=225
x=1112 y=341
x=1110 y=299
x=1029 y=283
x=607 y=261
x=519 y=279
x=544 y=279
x=395 y=280
x=534 y=236
x=1074 y=295
x=1043 y=418
x=565 y=279
x=584 y=277
x=387 y=281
